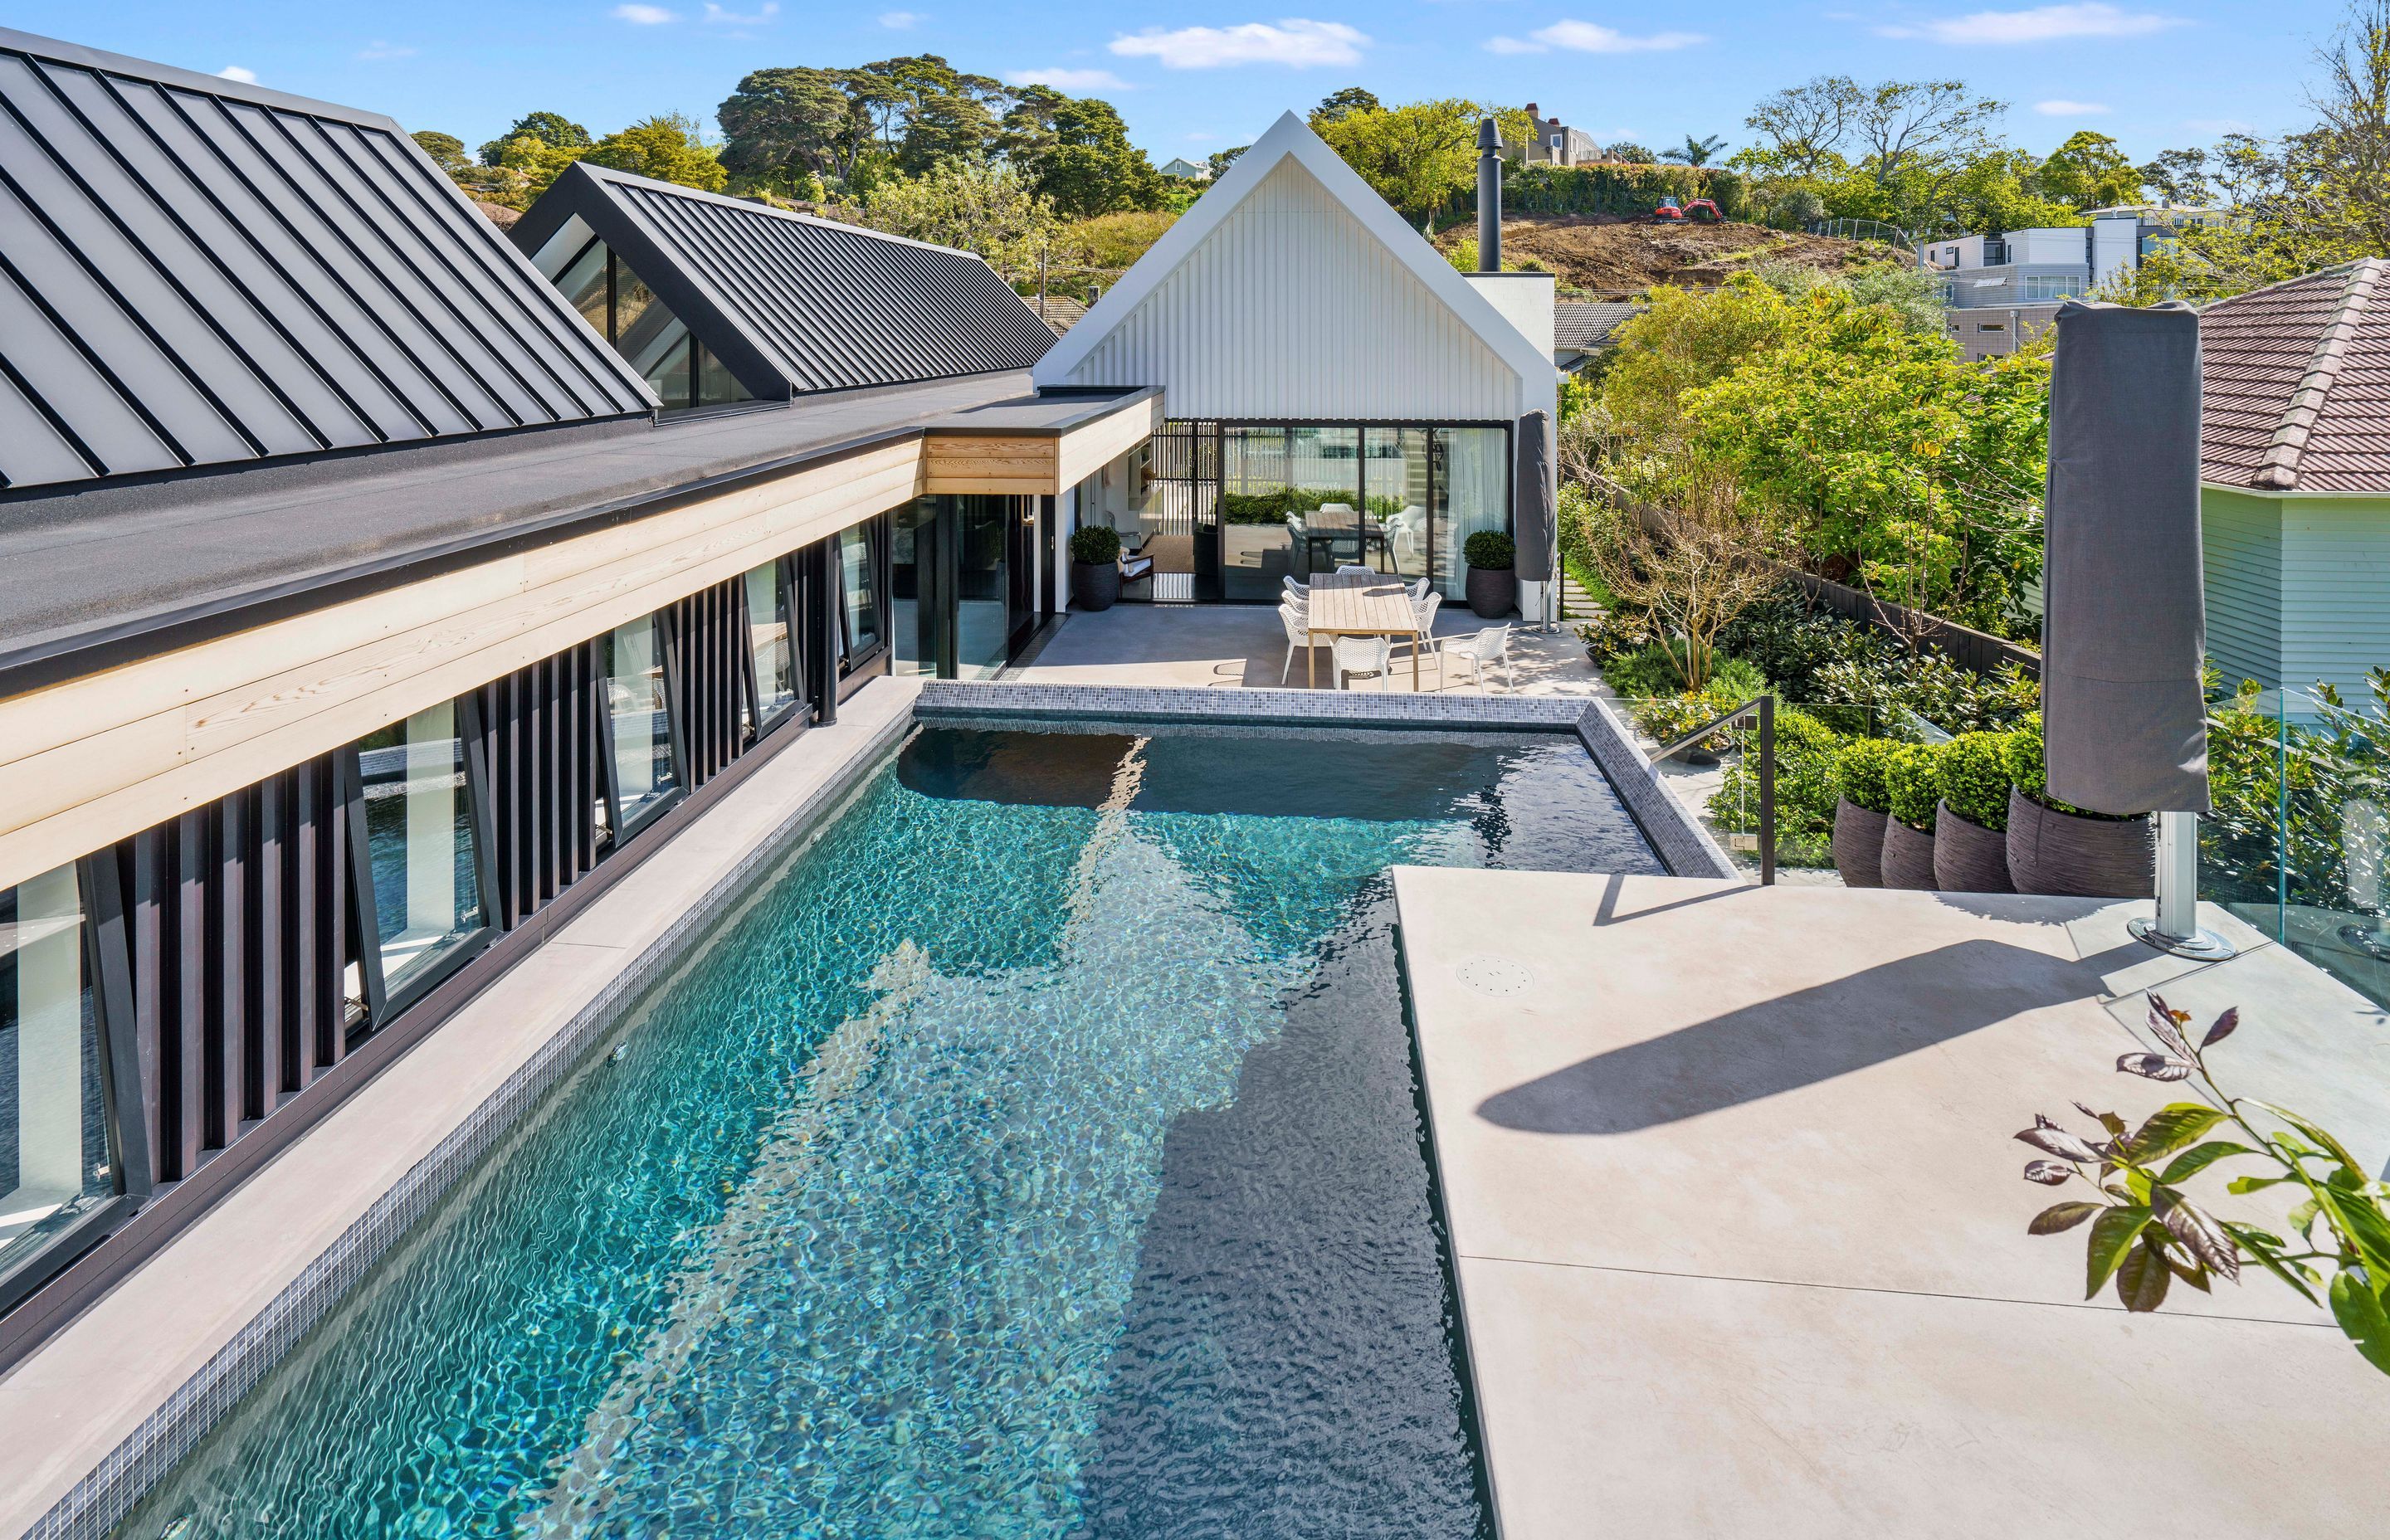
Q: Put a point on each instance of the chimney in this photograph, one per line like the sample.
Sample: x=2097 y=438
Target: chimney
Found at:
x=1489 y=197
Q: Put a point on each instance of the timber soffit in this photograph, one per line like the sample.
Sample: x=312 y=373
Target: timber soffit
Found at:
x=198 y=273
x=790 y=303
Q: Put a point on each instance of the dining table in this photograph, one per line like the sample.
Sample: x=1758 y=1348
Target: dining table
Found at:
x=1362 y=604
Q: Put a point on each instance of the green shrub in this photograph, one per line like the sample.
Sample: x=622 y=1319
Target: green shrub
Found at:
x=1911 y=781
x=1806 y=785
x=1093 y=544
x=1648 y=671
x=1737 y=678
x=1489 y=551
x=1790 y=640
x=1974 y=777
x=1860 y=773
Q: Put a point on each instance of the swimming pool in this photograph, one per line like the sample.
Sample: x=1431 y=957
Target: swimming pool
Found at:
x=1035 y=1153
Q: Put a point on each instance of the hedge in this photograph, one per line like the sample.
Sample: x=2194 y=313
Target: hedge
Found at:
x=1912 y=785
x=1862 y=769
x=1974 y=777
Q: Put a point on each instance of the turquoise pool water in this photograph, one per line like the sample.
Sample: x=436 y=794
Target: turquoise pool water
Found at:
x=1035 y=1153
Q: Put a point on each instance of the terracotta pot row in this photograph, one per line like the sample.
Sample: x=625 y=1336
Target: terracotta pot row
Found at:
x=2043 y=851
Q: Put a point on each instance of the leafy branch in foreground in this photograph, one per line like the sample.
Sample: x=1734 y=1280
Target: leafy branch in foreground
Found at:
x=2145 y=1234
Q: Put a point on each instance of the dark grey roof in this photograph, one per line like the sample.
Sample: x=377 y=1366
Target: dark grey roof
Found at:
x=790 y=303
x=97 y=578
x=195 y=273
x=1579 y=324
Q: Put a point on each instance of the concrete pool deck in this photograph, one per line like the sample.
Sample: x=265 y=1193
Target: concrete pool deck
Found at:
x=1738 y=1226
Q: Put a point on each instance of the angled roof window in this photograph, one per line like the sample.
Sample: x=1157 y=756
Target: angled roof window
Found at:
x=785 y=304
x=619 y=304
x=196 y=272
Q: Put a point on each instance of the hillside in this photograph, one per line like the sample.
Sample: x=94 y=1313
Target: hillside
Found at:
x=1602 y=252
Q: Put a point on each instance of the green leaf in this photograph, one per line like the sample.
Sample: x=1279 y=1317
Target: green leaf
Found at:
x=2062 y=1216
x=2191 y=1162
x=2311 y=1130
x=2365 y=1225
x=2141 y=1280
x=2358 y=1310
x=2112 y=1238
x=2171 y=1127
x=2267 y=1257
x=2256 y=1184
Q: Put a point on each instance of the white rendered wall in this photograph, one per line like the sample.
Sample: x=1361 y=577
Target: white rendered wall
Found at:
x=1291 y=309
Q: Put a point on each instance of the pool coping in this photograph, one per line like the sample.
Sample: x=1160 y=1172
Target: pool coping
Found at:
x=81 y=1492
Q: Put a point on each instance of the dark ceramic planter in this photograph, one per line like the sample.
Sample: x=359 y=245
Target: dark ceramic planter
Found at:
x=1908 y=856
x=2070 y=855
x=1095 y=585
x=1493 y=594
x=1858 y=845
x=1969 y=858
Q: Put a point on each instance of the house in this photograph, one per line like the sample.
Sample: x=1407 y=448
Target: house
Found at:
x=2047 y=264
x=316 y=488
x=2294 y=446
x=1584 y=329
x=1993 y=331
x=1549 y=143
x=1191 y=170
x=1318 y=357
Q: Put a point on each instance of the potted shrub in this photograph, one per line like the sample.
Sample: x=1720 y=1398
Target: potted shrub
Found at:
x=1859 y=813
x=1492 y=581
x=1094 y=567
x=2056 y=848
x=1914 y=785
x=1971 y=842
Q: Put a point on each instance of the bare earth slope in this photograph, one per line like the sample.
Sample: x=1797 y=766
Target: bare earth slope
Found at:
x=1602 y=251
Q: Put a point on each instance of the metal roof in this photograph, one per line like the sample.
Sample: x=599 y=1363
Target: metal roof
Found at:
x=2295 y=382
x=792 y=304
x=199 y=273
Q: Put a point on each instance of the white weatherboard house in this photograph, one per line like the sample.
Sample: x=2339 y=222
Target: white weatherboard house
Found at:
x=1335 y=390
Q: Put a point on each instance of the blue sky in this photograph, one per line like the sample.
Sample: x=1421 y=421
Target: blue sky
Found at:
x=1190 y=79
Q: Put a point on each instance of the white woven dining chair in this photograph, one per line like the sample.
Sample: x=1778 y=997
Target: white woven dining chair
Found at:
x=1297 y=620
x=1419 y=591
x=1297 y=590
x=1362 y=655
x=1356 y=566
x=1489 y=646
x=1423 y=611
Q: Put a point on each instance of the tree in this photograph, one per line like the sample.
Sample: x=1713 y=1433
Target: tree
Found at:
x=446 y=151
x=1221 y=159
x=1344 y=104
x=1805 y=126
x=2087 y=172
x=1076 y=151
x=2178 y=175
x=984 y=206
x=1421 y=155
x=1695 y=153
x=780 y=124
x=1631 y=153
x=668 y=146
x=553 y=130
x=1693 y=564
x=1681 y=341
x=1901 y=122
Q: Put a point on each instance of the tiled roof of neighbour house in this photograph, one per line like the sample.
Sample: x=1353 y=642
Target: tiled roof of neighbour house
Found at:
x=790 y=305
x=2296 y=384
x=1059 y=313
x=1580 y=325
x=197 y=274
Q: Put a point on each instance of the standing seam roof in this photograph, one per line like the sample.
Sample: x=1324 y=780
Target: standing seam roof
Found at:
x=826 y=306
x=195 y=273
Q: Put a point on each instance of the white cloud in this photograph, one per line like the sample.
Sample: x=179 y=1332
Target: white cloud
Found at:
x=2062 y=109
x=903 y=22
x=643 y=16
x=235 y=71
x=1296 y=42
x=1069 y=80
x=2041 y=24
x=1591 y=37
x=716 y=15
x=379 y=49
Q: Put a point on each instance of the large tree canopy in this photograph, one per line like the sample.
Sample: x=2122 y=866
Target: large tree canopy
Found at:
x=667 y=146
x=1418 y=156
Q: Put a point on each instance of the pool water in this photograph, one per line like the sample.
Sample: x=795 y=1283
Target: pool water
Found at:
x=1035 y=1153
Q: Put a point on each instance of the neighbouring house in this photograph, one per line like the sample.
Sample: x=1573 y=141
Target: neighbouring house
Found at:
x=1551 y=143
x=1992 y=332
x=1060 y=312
x=2295 y=447
x=1584 y=329
x=1336 y=391
x=1192 y=171
x=2051 y=262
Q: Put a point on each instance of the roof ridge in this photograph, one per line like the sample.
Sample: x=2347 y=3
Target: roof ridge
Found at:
x=750 y=206
x=2278 y=470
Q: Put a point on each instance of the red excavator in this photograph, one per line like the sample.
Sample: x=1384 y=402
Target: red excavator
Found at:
x=1701 y=211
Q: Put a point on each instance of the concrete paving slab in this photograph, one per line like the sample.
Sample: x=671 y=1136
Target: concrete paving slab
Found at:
x=1807 y=1095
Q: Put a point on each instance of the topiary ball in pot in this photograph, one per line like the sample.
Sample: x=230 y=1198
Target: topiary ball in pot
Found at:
x=2054 y=847
x=1861 y=811
x=1094 y=567
x=1493 y=579
x=1969 y=833
x=1910 y=776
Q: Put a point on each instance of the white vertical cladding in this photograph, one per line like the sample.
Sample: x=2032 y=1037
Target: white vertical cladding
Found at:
x=1291 y=308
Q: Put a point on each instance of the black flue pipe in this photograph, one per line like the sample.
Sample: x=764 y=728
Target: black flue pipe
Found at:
x=1489 y=197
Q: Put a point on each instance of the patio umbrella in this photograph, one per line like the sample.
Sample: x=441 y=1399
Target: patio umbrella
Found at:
x=2124 y=723
x=1536 y=520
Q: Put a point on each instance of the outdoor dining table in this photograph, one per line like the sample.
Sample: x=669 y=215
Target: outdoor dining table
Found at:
x=1362 y=604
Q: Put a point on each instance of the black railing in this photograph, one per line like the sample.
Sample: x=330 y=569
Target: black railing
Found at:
x=1762 y=707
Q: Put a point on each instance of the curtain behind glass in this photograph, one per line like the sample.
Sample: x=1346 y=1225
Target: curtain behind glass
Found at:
x=1396 y=473
x=53 y=1138
x=770 y=642
x=635 y=700
x=1475 y=496
x=419 y=830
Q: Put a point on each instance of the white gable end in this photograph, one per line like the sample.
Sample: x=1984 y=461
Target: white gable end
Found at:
x=1293 y=299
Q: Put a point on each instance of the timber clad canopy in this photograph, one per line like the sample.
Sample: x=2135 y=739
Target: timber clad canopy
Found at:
x=196 y=272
